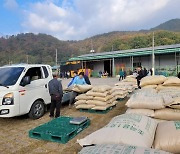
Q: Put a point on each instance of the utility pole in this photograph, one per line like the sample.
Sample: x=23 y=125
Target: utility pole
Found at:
x=27 y=59
x=112 y=48
x=92 y=50
x=56 y=57
x=153 y=56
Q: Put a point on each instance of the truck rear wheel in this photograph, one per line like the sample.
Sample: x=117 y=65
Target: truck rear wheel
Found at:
x=37 y=110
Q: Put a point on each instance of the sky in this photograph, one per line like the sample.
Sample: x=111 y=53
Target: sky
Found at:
x=80 y=19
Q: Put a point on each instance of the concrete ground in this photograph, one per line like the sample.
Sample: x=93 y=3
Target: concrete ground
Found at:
x=14 y=131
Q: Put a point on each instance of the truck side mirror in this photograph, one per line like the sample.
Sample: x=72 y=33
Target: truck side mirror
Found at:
x=25 y=81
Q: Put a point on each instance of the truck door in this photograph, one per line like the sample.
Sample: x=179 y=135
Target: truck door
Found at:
x=37 y=89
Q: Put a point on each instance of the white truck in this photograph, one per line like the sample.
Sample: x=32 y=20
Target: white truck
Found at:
x=24 y=89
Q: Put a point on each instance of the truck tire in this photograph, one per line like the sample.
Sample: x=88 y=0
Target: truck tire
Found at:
x=37 y=110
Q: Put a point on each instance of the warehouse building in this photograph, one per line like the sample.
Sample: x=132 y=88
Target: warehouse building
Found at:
x=167 y=60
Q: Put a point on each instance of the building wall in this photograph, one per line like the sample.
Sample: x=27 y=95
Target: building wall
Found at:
x=165 y=60
x=98 y=65
x=161 y=61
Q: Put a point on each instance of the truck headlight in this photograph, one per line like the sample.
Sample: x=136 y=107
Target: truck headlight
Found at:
x=8 y=99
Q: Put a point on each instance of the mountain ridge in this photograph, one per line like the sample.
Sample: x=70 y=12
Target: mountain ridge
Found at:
x=40 y=48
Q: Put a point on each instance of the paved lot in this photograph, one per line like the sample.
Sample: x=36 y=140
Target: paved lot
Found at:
x=14 y=131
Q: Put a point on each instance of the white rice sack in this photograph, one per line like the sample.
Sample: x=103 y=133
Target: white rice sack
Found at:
x=152 y=80
x=98 y=103
x=80 y=102
x=172 y=81
x=102 y=107
x=104 y=99
x=114 y=103
x=112 y=99
x=129 y=79
x=84 y=97
x=81 y=88
x=85 y=106
x=119 y=149
x=123 y=88
x=119 y=92
x=132 y=129
x=161 y=87
x=124 y=84
x=168 y=136
x=176 y=103
x=159 y=120
x=97 y=94
x=146 y=112
x=146 y=99
x=173 y=93
x=167 y=114
x=168 y=99
x=150 y=86
x=102 y=88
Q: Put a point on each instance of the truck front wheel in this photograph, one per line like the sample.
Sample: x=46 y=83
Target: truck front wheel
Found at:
x=37 y=110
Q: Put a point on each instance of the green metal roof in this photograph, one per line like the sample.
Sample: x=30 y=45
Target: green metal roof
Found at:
x=127 y=53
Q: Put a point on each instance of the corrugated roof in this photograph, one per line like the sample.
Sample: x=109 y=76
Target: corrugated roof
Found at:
x=126 y=53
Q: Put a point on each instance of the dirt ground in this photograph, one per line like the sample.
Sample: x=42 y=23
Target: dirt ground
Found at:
x=14 y=131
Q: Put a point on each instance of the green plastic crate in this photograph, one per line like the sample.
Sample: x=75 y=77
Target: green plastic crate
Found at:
x=58 y=130
x=97 y=111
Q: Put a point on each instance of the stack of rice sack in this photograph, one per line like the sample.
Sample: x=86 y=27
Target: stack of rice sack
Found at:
x=119 y=92
x=171 y=87
x=166 y=88
x=126 y=133
x=119 y=149
x=81 y=102
x=131 y=79
x=152 y=81
x=150 y=103
x=129 y=86
x=133 y=133
x=98 y=98
x=144 y=102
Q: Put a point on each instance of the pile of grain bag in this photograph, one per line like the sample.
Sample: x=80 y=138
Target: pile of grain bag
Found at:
x=144 y=102
x=130 y=78
x=166 y=90
x=98 y=98
x=165 y=141
x=131 y=129
x=119 y=149
x=119 y=92
x=157 y=105
x=152 y=81
x=81 y=102
x=164 y=85
x=122 y=89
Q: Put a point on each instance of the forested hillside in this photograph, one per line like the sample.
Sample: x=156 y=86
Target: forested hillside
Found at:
x=41 y=48
x=171 y=25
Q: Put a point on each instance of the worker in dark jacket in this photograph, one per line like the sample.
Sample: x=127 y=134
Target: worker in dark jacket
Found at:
x=56 y=93
x=86 y=78
x=179 y=75
x=140 y=75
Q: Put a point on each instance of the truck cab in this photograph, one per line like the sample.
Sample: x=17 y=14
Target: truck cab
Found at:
x=24 y=89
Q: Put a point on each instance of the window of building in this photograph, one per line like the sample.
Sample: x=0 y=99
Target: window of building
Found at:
x=136 y=64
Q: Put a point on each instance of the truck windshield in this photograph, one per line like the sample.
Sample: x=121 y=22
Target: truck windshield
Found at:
x=9 y=75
